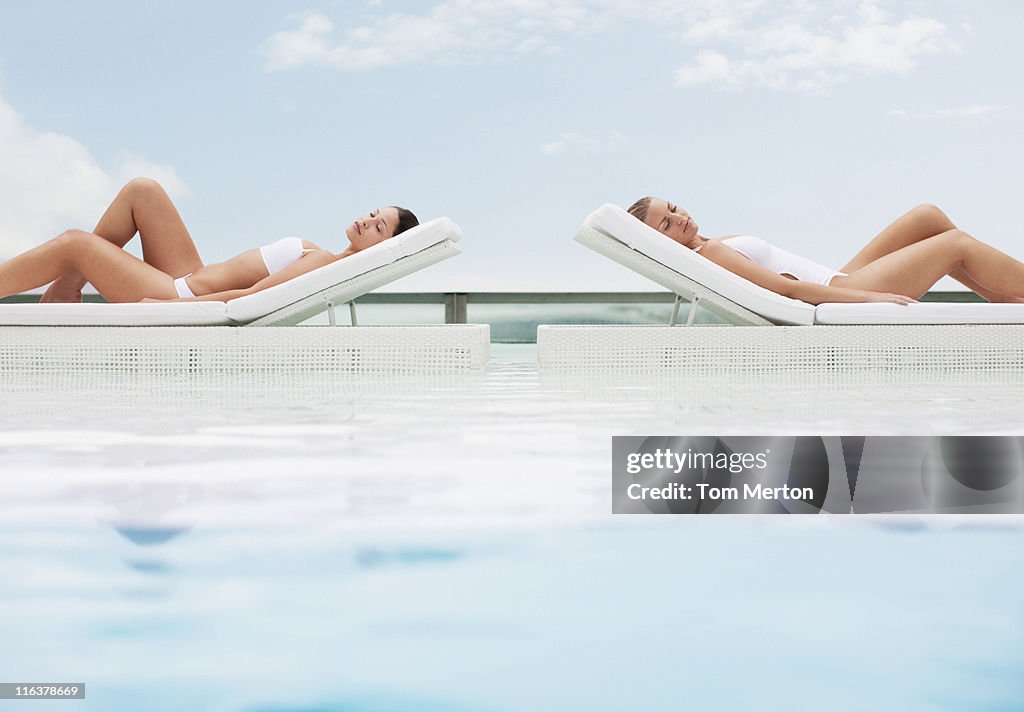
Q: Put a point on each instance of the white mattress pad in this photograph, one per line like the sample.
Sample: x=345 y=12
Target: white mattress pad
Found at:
x=93 y=314
x=920 y=313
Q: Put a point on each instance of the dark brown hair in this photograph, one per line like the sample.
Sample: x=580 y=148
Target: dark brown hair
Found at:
x=406 y=220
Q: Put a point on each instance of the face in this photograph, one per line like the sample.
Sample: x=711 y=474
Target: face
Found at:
x=376 y=226
x=670 y=219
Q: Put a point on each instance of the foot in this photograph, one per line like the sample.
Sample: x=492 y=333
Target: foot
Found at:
x=57 y=293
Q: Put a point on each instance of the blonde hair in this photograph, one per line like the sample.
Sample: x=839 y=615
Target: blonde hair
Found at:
x=639 y=208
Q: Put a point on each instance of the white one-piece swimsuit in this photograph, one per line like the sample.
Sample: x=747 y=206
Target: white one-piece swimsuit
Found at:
x=780 y=261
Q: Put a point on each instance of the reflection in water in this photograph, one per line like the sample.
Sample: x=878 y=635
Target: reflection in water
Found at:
x=438 y=615
x=140 y=402
x=824 y=405
x=384 y=702
x=371 y=557
x=446 y=543
x=148 y=516
x=150 y=567
x=149 y=536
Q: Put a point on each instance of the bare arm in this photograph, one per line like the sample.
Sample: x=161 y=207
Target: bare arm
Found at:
x=214 y=297
x=809 y=292
x=307 y=263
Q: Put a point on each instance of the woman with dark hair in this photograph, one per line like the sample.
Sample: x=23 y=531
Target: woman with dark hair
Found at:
x=171 y=269
x=899 y=265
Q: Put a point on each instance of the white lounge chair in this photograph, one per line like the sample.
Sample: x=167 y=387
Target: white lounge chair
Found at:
x=887 y=336
x=203 y=335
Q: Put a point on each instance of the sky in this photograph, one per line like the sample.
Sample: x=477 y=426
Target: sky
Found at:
x=812 y=124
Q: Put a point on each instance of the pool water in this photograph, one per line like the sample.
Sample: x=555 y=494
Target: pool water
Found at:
x=392 y=543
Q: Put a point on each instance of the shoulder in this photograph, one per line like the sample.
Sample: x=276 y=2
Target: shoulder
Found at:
x=319 y=256
x=717 y=245
x=733 y=257
x=719 y=252
x=742 y=239
x=753 y=248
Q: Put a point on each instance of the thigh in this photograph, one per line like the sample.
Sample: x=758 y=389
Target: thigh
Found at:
x=144 y=206
x=119 y=276
x=910 y=270
x=919 y=223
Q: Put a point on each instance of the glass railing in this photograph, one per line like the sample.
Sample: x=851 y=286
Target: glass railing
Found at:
x=514 y=316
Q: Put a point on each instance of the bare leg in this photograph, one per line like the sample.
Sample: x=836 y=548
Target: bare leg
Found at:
x=914 y=269
x=116 y=274
x=142 y=206
x=920 y=223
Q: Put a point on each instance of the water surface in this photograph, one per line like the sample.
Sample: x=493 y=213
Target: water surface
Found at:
x=369 y=542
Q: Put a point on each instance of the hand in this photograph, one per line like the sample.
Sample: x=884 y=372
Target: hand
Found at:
x=886 y=297
x=147 y=300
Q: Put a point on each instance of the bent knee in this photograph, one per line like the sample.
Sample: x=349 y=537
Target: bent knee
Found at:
x=71 y=244
x=71 y=237
x=928 y=209
x=956 y=238
x=143 y=186
x=933 y=215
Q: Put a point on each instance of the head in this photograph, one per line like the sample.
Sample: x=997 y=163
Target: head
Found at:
x=667 y=218
x=378 y=225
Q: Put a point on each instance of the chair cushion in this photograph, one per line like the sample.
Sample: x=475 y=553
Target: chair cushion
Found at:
x=921 y=313
x=92 y=314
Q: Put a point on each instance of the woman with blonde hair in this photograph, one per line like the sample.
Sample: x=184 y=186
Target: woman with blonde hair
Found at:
x=899 y=265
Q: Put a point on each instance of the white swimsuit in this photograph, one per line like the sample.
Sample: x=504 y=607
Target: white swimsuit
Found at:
x=276 y=256
x=780 y=261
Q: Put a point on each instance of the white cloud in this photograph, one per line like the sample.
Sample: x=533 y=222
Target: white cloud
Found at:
x=450 y=32
x=553 y=147
x=461 y=30
x=586 y=142
x=983 y=112
x=49 y=182
x=812 y=48
x=709 y=67
x=793 y=45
